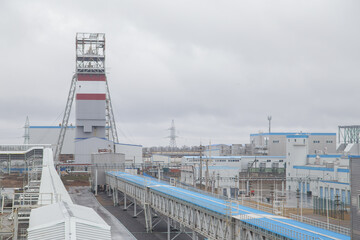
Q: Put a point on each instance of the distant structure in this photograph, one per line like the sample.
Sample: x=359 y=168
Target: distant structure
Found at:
x=172 y=135
x=349 y=139
x=349 y=134
x=94 y=114
x=355 y=197
x=269 y=119
x=26 y=134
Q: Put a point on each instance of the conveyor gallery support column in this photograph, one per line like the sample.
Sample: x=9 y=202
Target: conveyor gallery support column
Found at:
x=168 y=228
x=135 y=216
x=124 y=202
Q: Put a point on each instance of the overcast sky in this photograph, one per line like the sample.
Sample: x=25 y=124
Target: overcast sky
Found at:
x=218 y=68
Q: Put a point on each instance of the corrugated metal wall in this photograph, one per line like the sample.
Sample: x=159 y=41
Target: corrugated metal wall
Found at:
x=355 y=193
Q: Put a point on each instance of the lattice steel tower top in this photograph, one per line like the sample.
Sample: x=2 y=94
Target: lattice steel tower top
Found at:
x=90 y=53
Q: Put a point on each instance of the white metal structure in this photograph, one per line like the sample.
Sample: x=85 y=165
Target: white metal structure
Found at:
x=67 y=221
x=57 y=217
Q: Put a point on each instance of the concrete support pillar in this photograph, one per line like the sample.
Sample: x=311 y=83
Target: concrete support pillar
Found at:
x=16 y=224
x=248 y=187
x=135 y=214
x=168 y=228
x=124 y=202
x=194 y=235
x=96 y=182
x=113 y=197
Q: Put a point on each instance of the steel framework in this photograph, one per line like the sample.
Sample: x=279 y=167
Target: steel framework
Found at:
x=200 y=220
x=172 y=136
x=349 y=134
x=90 y=59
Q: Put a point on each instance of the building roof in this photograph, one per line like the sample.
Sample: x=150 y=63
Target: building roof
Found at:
x=291 y=133
x=51 y=187
x=234 y=157
x=67 y=219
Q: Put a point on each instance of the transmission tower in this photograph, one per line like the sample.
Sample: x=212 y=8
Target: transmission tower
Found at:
x=90 y=67
x=26 y=134
x=172 y=135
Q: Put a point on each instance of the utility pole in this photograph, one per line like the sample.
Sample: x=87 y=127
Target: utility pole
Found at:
x=269 y=119
x=27 y=135
x=201 y=164
x=207 y=169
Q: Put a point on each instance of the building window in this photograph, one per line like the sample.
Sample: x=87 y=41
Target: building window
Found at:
x=281 y=160
x=329 y=141
x=276 y=141
x=359 y=201
x=268 y=160
x=316 y=141
x=294 y=140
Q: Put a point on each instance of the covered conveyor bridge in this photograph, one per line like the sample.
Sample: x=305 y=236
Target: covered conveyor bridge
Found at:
x=211 y=217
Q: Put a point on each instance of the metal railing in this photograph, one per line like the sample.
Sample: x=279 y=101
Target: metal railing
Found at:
x=21 y=147
x=275 y=228
x=27 y=200
x=320 y=224
x=256 y=206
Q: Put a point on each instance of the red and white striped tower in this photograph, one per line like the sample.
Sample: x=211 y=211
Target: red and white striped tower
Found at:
x=94 y=115
x=91 y=85
x=90 y=106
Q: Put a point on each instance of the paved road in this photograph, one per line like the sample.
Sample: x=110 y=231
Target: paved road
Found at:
x=123 y=224
x=137 y=225
x=83 y=196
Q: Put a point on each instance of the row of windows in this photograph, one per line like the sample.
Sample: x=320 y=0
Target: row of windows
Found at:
x=232 y=160
x=295 y=140
x=327 y=141
x=315 y=141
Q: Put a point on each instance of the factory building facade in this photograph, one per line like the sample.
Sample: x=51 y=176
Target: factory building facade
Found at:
x=322 y=175
x=225 y=170
x=274 y=144
x=50 y=134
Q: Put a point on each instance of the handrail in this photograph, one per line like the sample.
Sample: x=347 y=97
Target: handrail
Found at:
x=324 y=225
x=287 y=232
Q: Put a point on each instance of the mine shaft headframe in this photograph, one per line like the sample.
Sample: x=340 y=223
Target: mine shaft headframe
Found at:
x=90 y=53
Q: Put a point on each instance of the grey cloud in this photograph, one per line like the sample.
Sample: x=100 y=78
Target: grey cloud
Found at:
x=218 y=69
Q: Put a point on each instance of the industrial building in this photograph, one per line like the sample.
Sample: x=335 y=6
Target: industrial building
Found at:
x=50 y=134
x=274 y=144
x=95 y=127
x=224 y=171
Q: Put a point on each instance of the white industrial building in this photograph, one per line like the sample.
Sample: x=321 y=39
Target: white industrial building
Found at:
x=312 y=163
x=322 y=175
x=190 y=175
x=50 y=134
x=224 y=170
x=274 y=144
